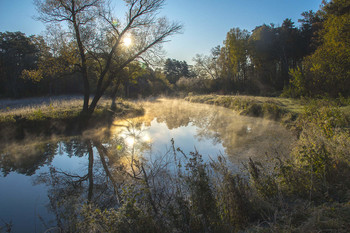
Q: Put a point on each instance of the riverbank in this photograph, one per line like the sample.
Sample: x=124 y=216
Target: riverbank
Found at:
x=308 y=190
x=56 y=115
x=274 y=108
x=284 y=110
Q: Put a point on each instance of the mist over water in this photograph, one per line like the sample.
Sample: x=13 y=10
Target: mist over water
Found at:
x=210 y=129
x=42 y=179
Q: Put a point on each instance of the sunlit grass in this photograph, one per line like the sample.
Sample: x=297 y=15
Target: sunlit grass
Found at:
x=30 y=106
x=53 y=107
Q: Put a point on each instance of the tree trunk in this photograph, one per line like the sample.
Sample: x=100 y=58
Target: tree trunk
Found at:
x=93 y=104
x=103 y=152
x=90 y=171
x=86 y=94
x=114 y=95
x=83 y=63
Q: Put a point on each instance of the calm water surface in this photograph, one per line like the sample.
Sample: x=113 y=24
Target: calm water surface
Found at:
x=42 y=179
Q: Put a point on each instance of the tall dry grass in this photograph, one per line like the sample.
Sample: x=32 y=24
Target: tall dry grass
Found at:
x=25 y=107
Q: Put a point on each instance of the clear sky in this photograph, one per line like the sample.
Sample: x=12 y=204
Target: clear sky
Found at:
x=206 y=22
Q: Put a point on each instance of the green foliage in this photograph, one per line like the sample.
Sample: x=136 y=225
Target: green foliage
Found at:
x=195 y=85
x=327 y=70
x=297 y=86
x=272 y=110
x=253 y=109
x=37 y=115
x=7 y=119
x=310 y=60
x=314 y=175
x=320 y=158
x=234 y=59
x=140 y=81
x=17 y=53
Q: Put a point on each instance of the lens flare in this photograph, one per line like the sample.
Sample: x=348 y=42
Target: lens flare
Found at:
x=127 y=41
x=130 y=141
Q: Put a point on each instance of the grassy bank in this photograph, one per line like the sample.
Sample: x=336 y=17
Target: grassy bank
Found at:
x=274 y=108
x=55 y=115
x=282 y=109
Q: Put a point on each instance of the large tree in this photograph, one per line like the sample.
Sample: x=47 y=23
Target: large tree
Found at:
x=235 y=58
x=106 y=44
x=174 y=70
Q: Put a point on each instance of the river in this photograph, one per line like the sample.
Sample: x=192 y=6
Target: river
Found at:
x=42 y=179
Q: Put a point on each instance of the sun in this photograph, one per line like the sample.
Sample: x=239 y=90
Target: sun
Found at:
x=127 y=41
x=130 y=141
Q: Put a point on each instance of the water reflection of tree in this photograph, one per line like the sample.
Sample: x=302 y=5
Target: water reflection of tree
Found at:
x=112 y=165
x=67 y=190
x=241 y=136
x=74 y=147
x=26 y=159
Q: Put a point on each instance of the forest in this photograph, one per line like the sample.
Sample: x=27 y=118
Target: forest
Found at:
x=310 y=60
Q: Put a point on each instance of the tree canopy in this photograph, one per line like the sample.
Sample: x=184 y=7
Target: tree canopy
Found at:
x=327 y=70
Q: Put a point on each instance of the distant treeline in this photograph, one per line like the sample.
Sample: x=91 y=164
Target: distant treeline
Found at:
x=20 y=53
x=310 y=60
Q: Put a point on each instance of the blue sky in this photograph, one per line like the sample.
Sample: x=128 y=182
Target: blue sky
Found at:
x=206 y=22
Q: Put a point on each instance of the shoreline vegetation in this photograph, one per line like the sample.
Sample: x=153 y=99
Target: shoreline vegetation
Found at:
x=56 y=115
x=284 y=110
